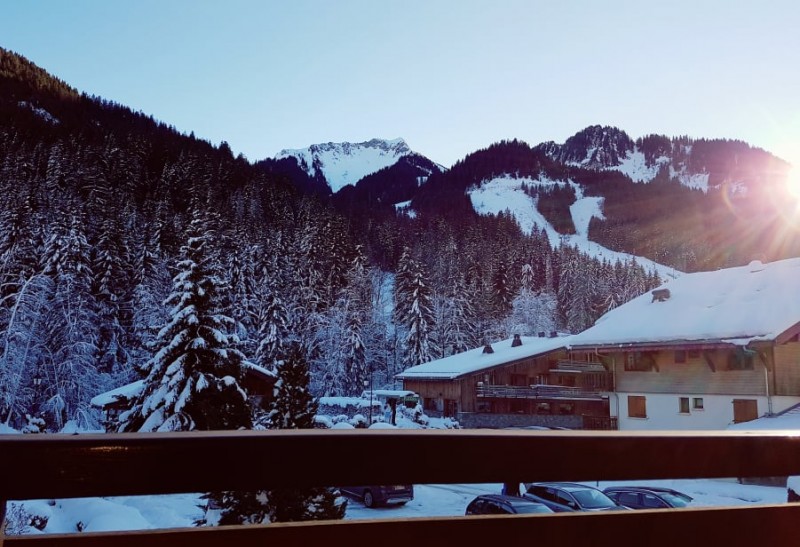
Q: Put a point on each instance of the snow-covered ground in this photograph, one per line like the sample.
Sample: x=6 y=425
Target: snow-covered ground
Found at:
x=506 y=194
x=430 y=500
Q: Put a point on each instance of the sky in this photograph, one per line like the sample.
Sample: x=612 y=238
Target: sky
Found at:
x=448 y=76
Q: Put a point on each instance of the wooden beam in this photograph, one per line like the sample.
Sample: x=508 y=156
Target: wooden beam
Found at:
x=709 y=361
x=56 y=466
x=732 y=527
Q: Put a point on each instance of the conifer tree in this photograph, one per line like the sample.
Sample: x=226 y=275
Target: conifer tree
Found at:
x=413 y=309
x=193 y=380
x=293 y=407
x=273 y=329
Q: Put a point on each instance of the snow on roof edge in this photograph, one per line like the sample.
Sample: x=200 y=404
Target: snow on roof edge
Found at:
x=474 y=360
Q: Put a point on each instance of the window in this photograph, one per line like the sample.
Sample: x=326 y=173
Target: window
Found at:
x=629 y=499
x=484 y=406
x=519 y=380
x=741 y=359
x=651 y=502
x=683 y=405
x=566 y=499
x=637 y=406
x=697 y=403
x=680 y=356
x=545 y=493
x=517 y=406
x=640 y=361
x=543 y=408
x=566 y=408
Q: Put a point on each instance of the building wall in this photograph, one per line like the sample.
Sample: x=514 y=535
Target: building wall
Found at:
x=663 y=410
x=693 y=376
x=431 y=390
x=462 y=389
x=472 y=420
x=787 y=369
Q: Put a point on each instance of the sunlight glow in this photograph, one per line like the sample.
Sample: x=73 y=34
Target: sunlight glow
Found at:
x=793 y=180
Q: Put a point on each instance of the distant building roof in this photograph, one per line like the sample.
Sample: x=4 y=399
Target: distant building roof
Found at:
x=123 y=393
x=388 y=393
x=475 y=360
x=134 y=389
x=757 y=302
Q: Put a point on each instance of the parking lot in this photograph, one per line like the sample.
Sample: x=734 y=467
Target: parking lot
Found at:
x=434 y=500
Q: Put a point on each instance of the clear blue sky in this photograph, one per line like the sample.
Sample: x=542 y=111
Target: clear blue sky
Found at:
x=449 y=76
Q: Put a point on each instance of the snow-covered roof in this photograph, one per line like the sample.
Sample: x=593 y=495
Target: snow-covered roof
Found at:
x=128 y=391
x=788 y=419
x=347 y=401
x=388 y=393
x=757 y=302
x=475 y=360
x=258 y=370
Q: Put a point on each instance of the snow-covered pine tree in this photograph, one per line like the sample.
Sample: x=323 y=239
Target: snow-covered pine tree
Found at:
x=356 y=298
x=22 y=318
x=532 y=313
x=193 y=380
x=273 y=329
x=412 y=299
x=293 y=407
x=70 y=340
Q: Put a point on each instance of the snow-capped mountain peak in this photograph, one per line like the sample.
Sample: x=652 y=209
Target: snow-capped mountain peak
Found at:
x=346 y=163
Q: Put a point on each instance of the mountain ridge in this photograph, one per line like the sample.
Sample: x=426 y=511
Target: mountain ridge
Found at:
x=345 y=163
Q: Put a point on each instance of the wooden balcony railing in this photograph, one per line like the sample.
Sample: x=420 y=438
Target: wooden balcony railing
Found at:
x=41 y=466
x=540 y=391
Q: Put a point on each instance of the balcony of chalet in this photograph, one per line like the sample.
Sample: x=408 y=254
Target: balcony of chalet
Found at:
x=59 y=466
x=574 y=395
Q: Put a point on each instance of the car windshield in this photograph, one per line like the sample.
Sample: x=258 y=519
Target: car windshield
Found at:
x=675 y=500
x=592 y=499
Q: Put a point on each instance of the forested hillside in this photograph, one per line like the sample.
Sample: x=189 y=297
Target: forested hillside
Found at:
x=116 y=229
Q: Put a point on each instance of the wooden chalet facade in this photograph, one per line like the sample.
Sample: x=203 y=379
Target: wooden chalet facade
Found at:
x=717 y=348
x=519 y=382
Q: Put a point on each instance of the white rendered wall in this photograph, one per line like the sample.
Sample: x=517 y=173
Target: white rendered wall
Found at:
x=663 y=411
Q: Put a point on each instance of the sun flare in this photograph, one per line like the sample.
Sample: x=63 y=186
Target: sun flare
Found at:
x=793 y=180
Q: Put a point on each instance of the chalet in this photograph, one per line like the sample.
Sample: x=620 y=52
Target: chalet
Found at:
x=518 y=382
x=704 y=351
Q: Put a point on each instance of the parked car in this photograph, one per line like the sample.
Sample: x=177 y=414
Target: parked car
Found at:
x=647 y=497
x=495 y=504
x=372 y=496
x=567 y=496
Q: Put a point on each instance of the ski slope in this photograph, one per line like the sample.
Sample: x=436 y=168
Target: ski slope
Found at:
x=505 y=193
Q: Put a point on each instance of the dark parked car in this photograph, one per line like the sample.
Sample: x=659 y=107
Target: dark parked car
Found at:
x=494 y=504
x=647 y=497
x=568 y=496
x=373 y=496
